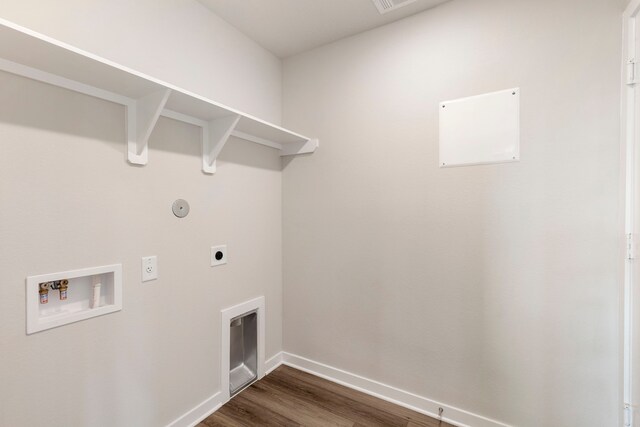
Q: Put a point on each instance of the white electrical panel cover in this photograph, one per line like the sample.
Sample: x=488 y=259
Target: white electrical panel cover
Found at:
x=480 y=129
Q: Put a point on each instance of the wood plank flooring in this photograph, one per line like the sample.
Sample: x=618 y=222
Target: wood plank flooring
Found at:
x=289 y=397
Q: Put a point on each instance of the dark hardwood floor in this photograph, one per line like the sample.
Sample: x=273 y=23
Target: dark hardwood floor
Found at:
x=289 y=397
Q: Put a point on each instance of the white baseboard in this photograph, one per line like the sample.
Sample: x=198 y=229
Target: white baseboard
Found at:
x=212 y=404
x=272 y=363
x=199 y=413
x=452 y=415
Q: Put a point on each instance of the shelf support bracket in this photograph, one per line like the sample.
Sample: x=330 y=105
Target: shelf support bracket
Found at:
x=142 y=116
x=304 y=147
x=214 y=136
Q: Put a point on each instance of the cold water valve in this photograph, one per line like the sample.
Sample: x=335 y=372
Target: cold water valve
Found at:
x=64 y=284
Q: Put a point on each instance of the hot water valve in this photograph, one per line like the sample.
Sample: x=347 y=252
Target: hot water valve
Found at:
x=60 y=285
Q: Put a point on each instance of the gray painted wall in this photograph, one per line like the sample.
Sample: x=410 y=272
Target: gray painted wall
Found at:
x=495 y=289
x=70 y=200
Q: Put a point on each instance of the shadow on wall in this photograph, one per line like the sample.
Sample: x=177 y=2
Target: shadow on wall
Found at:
x=286 y=160
x=31 y=104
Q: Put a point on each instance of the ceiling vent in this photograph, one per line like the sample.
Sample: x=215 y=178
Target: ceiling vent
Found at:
x=385 y=6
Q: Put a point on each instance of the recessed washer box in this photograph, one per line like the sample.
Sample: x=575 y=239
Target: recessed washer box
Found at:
x=90 y=292
x=480 y=129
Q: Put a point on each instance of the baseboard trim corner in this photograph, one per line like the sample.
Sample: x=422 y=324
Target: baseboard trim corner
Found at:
x=272 y=363
x=198 y=413
x=212 y=404
x=453 y=415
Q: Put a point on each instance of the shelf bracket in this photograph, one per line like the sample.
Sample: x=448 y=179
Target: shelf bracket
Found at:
x=142 y=116
x=214 y=136
x=304 y=147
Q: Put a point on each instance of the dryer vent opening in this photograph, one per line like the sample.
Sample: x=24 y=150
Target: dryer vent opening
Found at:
x=243 y=357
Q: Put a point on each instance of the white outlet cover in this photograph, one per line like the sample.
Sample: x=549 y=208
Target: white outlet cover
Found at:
x=149 y=268
x=219 y=255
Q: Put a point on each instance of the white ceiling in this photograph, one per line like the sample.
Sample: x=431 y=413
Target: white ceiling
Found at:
x=287 y=27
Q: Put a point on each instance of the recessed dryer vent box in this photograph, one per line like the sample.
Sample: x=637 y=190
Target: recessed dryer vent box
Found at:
x=70 y=296
x=480 y=129
x=242 y=357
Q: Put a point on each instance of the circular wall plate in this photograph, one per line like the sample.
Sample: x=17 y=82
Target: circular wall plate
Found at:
x=180 y=208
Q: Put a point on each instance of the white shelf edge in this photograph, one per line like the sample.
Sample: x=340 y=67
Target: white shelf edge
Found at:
x=304 y=147
x=55 y=80
x=256 y=139
x=136 y=139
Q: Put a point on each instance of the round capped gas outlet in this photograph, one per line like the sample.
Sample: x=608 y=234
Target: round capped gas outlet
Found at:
x=180 y=208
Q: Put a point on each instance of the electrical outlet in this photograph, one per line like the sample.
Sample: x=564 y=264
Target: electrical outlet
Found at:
x=149 y=268
x=218 y=255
